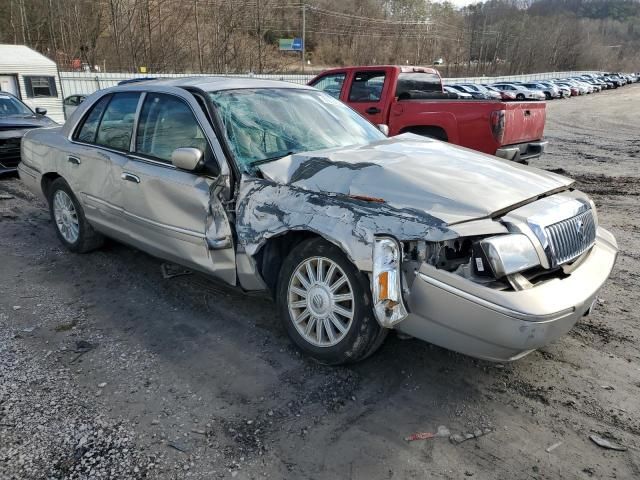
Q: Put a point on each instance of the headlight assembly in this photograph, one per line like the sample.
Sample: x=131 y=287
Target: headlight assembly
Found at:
x=509 y=254
x=386 y=282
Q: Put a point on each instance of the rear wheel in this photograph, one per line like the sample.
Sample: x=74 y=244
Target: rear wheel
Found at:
x=72 y=228
x=325 y=304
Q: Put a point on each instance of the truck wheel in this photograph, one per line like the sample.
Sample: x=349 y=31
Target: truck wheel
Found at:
x=325 y=304
x=520 y=96
x=72 y=228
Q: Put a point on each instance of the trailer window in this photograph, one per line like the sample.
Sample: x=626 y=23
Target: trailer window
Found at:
x=38 y=87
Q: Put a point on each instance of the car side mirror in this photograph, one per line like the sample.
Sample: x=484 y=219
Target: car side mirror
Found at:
x=41 y=111
x=384 y=129
x=186 y=158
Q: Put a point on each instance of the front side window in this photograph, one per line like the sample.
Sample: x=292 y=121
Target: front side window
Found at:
x=331 y=84
x=265 y=124
x=167 y=123
x=38 y=87
x=367 y=87
x=87 y=131
x=116 y=125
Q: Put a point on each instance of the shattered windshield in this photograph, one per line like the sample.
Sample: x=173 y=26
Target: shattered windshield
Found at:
x=265 y=124
x=12 y=106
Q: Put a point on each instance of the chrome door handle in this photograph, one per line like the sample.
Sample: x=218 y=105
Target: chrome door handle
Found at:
x=130 y=177
x=73 y=160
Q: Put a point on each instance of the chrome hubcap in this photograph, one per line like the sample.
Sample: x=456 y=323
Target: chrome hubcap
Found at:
x=66 y=216
x=320 y=299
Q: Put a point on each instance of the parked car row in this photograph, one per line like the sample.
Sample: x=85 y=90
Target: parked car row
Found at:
x=543 y=89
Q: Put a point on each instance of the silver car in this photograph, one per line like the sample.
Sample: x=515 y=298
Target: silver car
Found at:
x=273 y=186
x=521 y=92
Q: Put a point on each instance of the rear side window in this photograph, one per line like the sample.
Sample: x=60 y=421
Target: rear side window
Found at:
x=331 y=84
x=89 y=127
x=38 y=87
x=414 y=82
x=116 y=126
x=167 y=123
x=367 y=87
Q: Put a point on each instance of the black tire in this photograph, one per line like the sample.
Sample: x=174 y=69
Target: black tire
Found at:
x=88 y=239
x=520 y=96
x=364 y=335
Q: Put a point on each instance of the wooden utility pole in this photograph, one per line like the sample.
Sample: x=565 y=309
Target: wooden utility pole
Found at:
x=198 y=35
x=304 y=34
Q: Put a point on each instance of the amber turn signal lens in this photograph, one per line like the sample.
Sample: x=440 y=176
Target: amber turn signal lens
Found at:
x=383 y=283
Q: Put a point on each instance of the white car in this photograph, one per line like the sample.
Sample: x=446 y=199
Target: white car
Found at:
x=522 y=93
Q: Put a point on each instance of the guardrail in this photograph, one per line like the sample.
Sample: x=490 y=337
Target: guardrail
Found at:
x=85 y=83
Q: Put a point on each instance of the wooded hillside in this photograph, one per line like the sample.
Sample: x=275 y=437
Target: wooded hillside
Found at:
x=496 y=37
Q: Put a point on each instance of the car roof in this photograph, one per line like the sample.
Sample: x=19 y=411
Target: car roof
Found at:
x=210 y=83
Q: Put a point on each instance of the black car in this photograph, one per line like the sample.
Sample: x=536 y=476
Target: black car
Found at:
x=15 y=119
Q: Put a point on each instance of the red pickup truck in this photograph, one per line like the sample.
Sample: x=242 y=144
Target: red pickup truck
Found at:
x=411 y=99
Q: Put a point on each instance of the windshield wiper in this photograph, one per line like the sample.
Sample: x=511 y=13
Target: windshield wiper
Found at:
x=271 y=159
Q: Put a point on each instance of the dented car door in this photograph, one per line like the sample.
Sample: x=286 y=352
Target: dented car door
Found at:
x=174 y=213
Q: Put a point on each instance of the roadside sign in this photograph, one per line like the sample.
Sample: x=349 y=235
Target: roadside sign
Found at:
x=291 y=44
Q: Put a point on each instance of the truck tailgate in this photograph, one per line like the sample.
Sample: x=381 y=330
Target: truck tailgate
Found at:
x=524 y=122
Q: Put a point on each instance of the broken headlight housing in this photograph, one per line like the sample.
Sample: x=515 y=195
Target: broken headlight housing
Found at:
x=485 y=260
x=506 y=254
x=386 y=286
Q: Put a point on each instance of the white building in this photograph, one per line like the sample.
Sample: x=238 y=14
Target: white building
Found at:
x=33 y=78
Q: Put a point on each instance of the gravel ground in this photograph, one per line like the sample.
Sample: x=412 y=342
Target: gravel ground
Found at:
x=108 y=370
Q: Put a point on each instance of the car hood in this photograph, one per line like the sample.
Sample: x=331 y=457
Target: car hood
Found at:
x=451 y=183
x=25 y=121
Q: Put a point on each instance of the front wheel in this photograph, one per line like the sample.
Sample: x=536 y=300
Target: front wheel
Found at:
x=325 y=304
x=520 y=96
x=72 y=228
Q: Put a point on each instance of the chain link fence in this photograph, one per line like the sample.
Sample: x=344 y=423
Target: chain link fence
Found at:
x=85 y=83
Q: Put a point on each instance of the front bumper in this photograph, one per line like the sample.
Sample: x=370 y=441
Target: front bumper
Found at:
x=522 y=151
x=455 y=313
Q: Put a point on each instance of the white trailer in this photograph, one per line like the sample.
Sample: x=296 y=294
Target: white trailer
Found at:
x=33 y=78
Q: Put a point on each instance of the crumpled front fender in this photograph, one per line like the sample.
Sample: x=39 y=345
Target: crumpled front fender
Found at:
x=266 y=209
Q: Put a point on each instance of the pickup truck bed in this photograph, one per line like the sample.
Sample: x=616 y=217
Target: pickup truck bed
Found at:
x=383 y=94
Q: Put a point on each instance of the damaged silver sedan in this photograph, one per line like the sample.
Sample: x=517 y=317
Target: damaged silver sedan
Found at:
x=273 y=186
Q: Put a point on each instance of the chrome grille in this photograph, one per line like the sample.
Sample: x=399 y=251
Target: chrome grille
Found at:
x=570 y=238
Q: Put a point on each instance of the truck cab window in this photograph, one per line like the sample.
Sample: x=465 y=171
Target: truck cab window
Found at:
x=414 y=83
x=331 y=84
x=367 y=87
